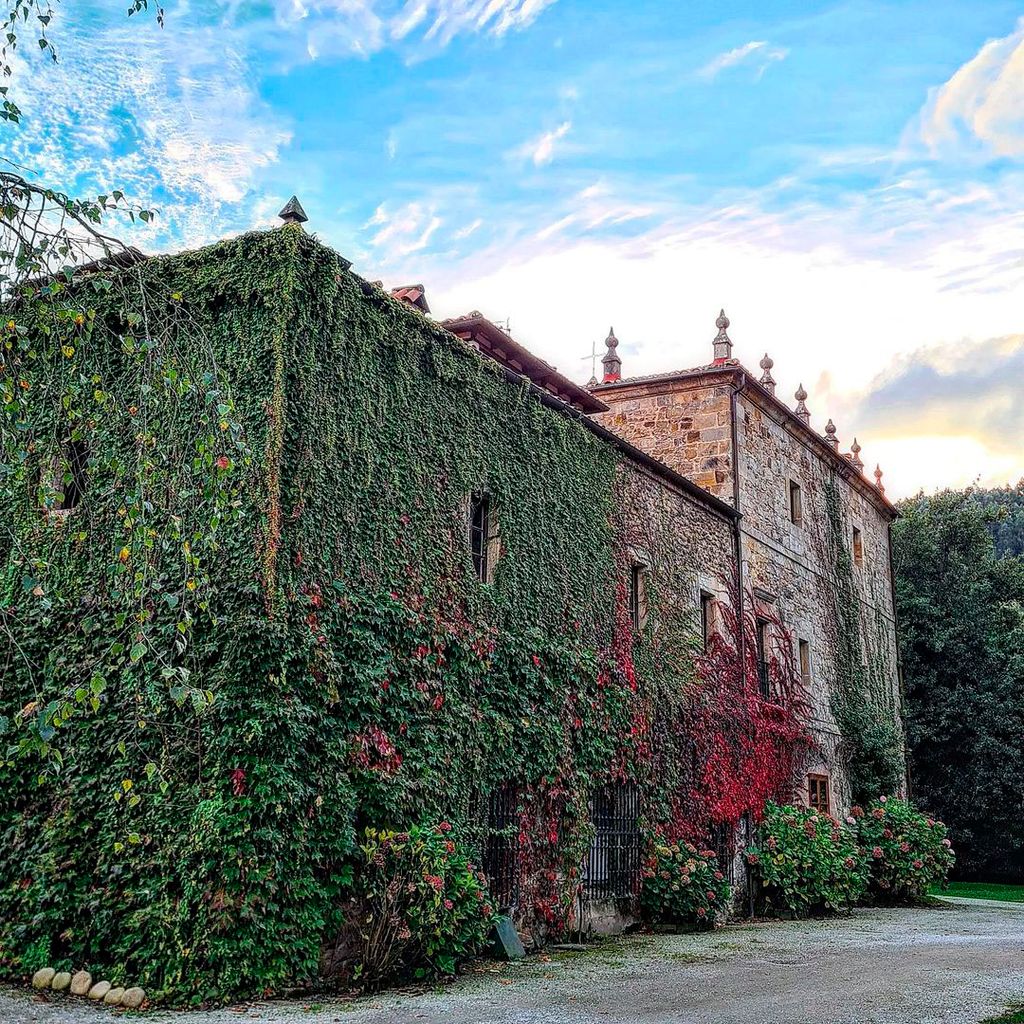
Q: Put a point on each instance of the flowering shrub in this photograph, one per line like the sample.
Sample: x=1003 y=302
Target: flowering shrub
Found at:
x=807 y=862
x=683 y=885
x=424 y=907
x=907 y=851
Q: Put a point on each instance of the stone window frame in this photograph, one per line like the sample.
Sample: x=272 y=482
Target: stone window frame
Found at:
x=796 y=503
x=857 y=546
x=482 y=534
x=711 y=588
x=636 y=591
x=804 y=662
x=818 y=787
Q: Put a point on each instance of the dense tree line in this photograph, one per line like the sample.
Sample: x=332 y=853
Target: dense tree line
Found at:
x=960 y=598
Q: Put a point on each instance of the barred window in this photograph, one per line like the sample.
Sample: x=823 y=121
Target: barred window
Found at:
x=638 y=596
x=612 y=869
x=484 y=542
x=500 y=843
x=761 y=636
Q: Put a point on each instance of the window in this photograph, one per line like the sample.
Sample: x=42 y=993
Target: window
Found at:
x=817 y=793
x=612 y=869
x=762 y=658
x=484 y=544
x=796 y=503
x=707 y=617
x=805 y=663
x=637 y=596
x=73 y=484
x=500 y=843
x=858 y=547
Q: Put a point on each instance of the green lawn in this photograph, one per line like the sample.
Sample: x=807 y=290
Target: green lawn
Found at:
x=983 y=891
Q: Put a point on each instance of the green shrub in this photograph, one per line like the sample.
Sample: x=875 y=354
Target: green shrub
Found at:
x=424 y=908
x=807 y=862
x=907 y=852
x=683 y=885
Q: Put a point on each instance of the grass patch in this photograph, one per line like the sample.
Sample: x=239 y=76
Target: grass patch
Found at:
x=984 y=891
x=1014 y=1015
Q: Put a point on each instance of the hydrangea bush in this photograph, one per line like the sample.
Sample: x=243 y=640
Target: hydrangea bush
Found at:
x=424 y=906
x=683 y=885
x=806 y=862
x=907 y=851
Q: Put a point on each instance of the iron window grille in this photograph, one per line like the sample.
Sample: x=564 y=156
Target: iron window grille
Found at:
x=636 y=597
x=500 y=844
x=762 y=659
x=612 y=868
x=480 y=534
x=723 y=836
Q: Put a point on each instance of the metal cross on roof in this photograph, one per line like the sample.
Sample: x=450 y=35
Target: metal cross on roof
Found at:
x=593 y=357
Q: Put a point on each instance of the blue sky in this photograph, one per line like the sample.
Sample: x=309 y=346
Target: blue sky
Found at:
x=845 y=178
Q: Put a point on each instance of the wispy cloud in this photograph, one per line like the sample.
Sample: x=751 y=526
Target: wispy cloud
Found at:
x=402 y=230
x=170 y=117
x=363 y=27
x=983 y=102
x=758 y=53
x=541 y=150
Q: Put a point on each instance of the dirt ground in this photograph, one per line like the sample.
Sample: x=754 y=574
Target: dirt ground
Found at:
x=958 y=964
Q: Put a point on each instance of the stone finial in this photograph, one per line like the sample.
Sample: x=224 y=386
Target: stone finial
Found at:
x=293 y=213
x=830 y=434
x=767 y=380
x=878 y=479
x=855 y=455
x=801 y=409
x=722 y=343
x=610 y=360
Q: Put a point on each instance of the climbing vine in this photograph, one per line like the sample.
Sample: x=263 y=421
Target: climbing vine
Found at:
x=861 y=702
x=258 y=631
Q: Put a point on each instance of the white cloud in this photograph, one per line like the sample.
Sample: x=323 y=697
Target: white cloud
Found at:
x=983 y=102
x=402 y=230
x=834 y=292
x=363 y=27
x=541 y=150
x=757 y=52
x=151 y=112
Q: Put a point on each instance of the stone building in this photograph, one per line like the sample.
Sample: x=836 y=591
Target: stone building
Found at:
x=427 y=578
x=802 y=502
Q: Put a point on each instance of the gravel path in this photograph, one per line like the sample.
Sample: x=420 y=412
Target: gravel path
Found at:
x=957 y=965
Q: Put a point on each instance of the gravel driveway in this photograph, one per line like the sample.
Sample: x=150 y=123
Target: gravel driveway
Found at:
x=961 y=963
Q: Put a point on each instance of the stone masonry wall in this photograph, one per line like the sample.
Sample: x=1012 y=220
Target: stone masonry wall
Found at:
x=791 y=562
x=686 y=422
x=685 y=426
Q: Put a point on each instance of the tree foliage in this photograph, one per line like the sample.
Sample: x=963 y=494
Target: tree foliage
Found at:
x=961 y=612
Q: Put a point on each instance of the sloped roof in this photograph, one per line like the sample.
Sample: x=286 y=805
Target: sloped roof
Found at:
x=500 y=346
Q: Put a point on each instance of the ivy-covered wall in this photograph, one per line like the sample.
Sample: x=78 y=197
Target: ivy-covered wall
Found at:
x=258 y=630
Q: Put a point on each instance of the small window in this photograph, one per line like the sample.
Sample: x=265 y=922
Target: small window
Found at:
x=73 y=484
x=858 y=547
x=805 y=663
x=707 y=617
x=637 y=597
x=817 y=793
x=796 y=503
x=762 y=658
x=484 y=544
